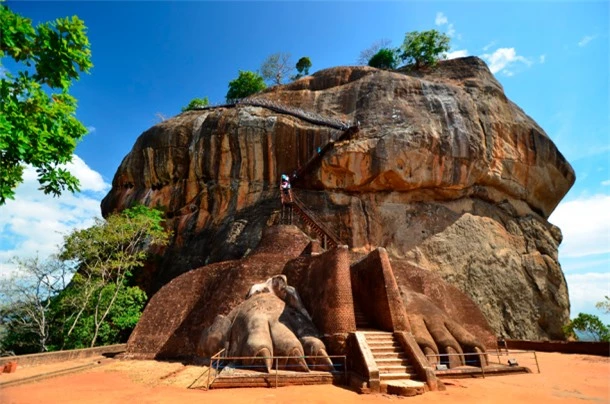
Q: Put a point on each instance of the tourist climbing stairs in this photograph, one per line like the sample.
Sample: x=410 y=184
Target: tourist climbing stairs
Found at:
x=328 y=238
x=391 y=359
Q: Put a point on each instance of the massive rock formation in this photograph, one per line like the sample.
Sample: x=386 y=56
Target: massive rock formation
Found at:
x=445 y=172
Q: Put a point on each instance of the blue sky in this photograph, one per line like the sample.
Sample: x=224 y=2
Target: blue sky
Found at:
x=151 y=58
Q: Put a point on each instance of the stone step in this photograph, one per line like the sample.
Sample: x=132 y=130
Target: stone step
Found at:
x=386 y=349
x=394 y=376
x=392 y=362
x=378 y=338
x=377 y=332
x=383 y=343
x=396 y=369
x=389 y=355
x=407 y=388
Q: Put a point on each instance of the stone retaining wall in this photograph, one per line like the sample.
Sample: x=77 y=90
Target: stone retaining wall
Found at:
x=574 y=347
x=60 y=356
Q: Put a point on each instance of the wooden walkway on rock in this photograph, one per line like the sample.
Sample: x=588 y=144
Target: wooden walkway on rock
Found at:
x=308 y=116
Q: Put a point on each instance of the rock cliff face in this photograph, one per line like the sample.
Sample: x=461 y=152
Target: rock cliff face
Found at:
x=445 y=172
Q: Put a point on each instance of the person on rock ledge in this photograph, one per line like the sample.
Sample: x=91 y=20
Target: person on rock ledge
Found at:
x=286 y=192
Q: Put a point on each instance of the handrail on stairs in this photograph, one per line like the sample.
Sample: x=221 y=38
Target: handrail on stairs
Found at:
x=329 y=237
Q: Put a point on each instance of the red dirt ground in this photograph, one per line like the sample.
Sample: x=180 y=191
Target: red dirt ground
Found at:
x=563 y=379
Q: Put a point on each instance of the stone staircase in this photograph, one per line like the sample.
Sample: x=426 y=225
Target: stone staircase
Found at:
x=362 y=323
x=327 y=238
x=395 y=370
x=389 y=356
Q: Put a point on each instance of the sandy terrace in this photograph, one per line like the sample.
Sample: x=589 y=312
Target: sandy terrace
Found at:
x=563 y=379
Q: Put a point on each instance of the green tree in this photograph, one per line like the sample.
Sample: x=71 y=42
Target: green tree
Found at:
x=122 y=318
x=38 y=125
x=276 y=67
x=590 y=326
x=302 y=66
x=196 y=103
x=25 y=303
x=106 y=254
x=384 y=59
x=604 y=305
x=247 y=83
x=369 y=52
x=424 y=48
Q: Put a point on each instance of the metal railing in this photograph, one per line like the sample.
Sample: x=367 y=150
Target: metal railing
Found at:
x=506 y=352
x=327 y=235
x=487 y=355
x=216 y=367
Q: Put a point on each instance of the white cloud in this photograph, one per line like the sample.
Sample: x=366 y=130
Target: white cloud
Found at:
x=90 y=180
x=441 y=19
x=91 y=129
x=503 y=58
x=450 y=30
x=488 y=46
x=586 y=39
x=457 y=54
x=585 y=224
x=587 y=289
x=35 y=223
x=542 y=59
x=606 y=183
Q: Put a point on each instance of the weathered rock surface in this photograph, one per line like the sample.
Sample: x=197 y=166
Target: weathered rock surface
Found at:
x=445 y=172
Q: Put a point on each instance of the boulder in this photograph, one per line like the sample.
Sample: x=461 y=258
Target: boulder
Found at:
x=444 y=172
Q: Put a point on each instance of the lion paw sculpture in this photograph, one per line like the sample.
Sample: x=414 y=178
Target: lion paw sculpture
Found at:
x=271 y=322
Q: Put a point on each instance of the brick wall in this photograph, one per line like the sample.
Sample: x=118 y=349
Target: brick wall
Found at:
x=324 y=284
x=377 y=293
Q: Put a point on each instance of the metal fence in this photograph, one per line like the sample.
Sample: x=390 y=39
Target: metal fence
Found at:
x=218 y=362
x=444 y=358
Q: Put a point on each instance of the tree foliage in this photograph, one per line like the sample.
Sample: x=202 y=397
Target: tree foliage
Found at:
x=106 y=255
x=368 y=53
x=604 y=305
x=424 y=48
x=302 y=66
x=276 y=67
x=38 y=125
x=101 y=304
x=26 y=302
x=384 y=59
x=246 y=84
x=590 y=327
x=196 y=103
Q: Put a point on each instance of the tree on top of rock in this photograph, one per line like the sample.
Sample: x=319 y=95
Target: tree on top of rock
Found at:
x=384 y=59
x=368 y=53
x=303 y=66
x=424 y=48
x=196 y=103
x=247 y=83
x=38 y=125
x=276 y=67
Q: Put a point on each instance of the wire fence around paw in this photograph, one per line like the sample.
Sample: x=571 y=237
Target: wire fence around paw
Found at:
x=486 y=362
x=231 y=367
